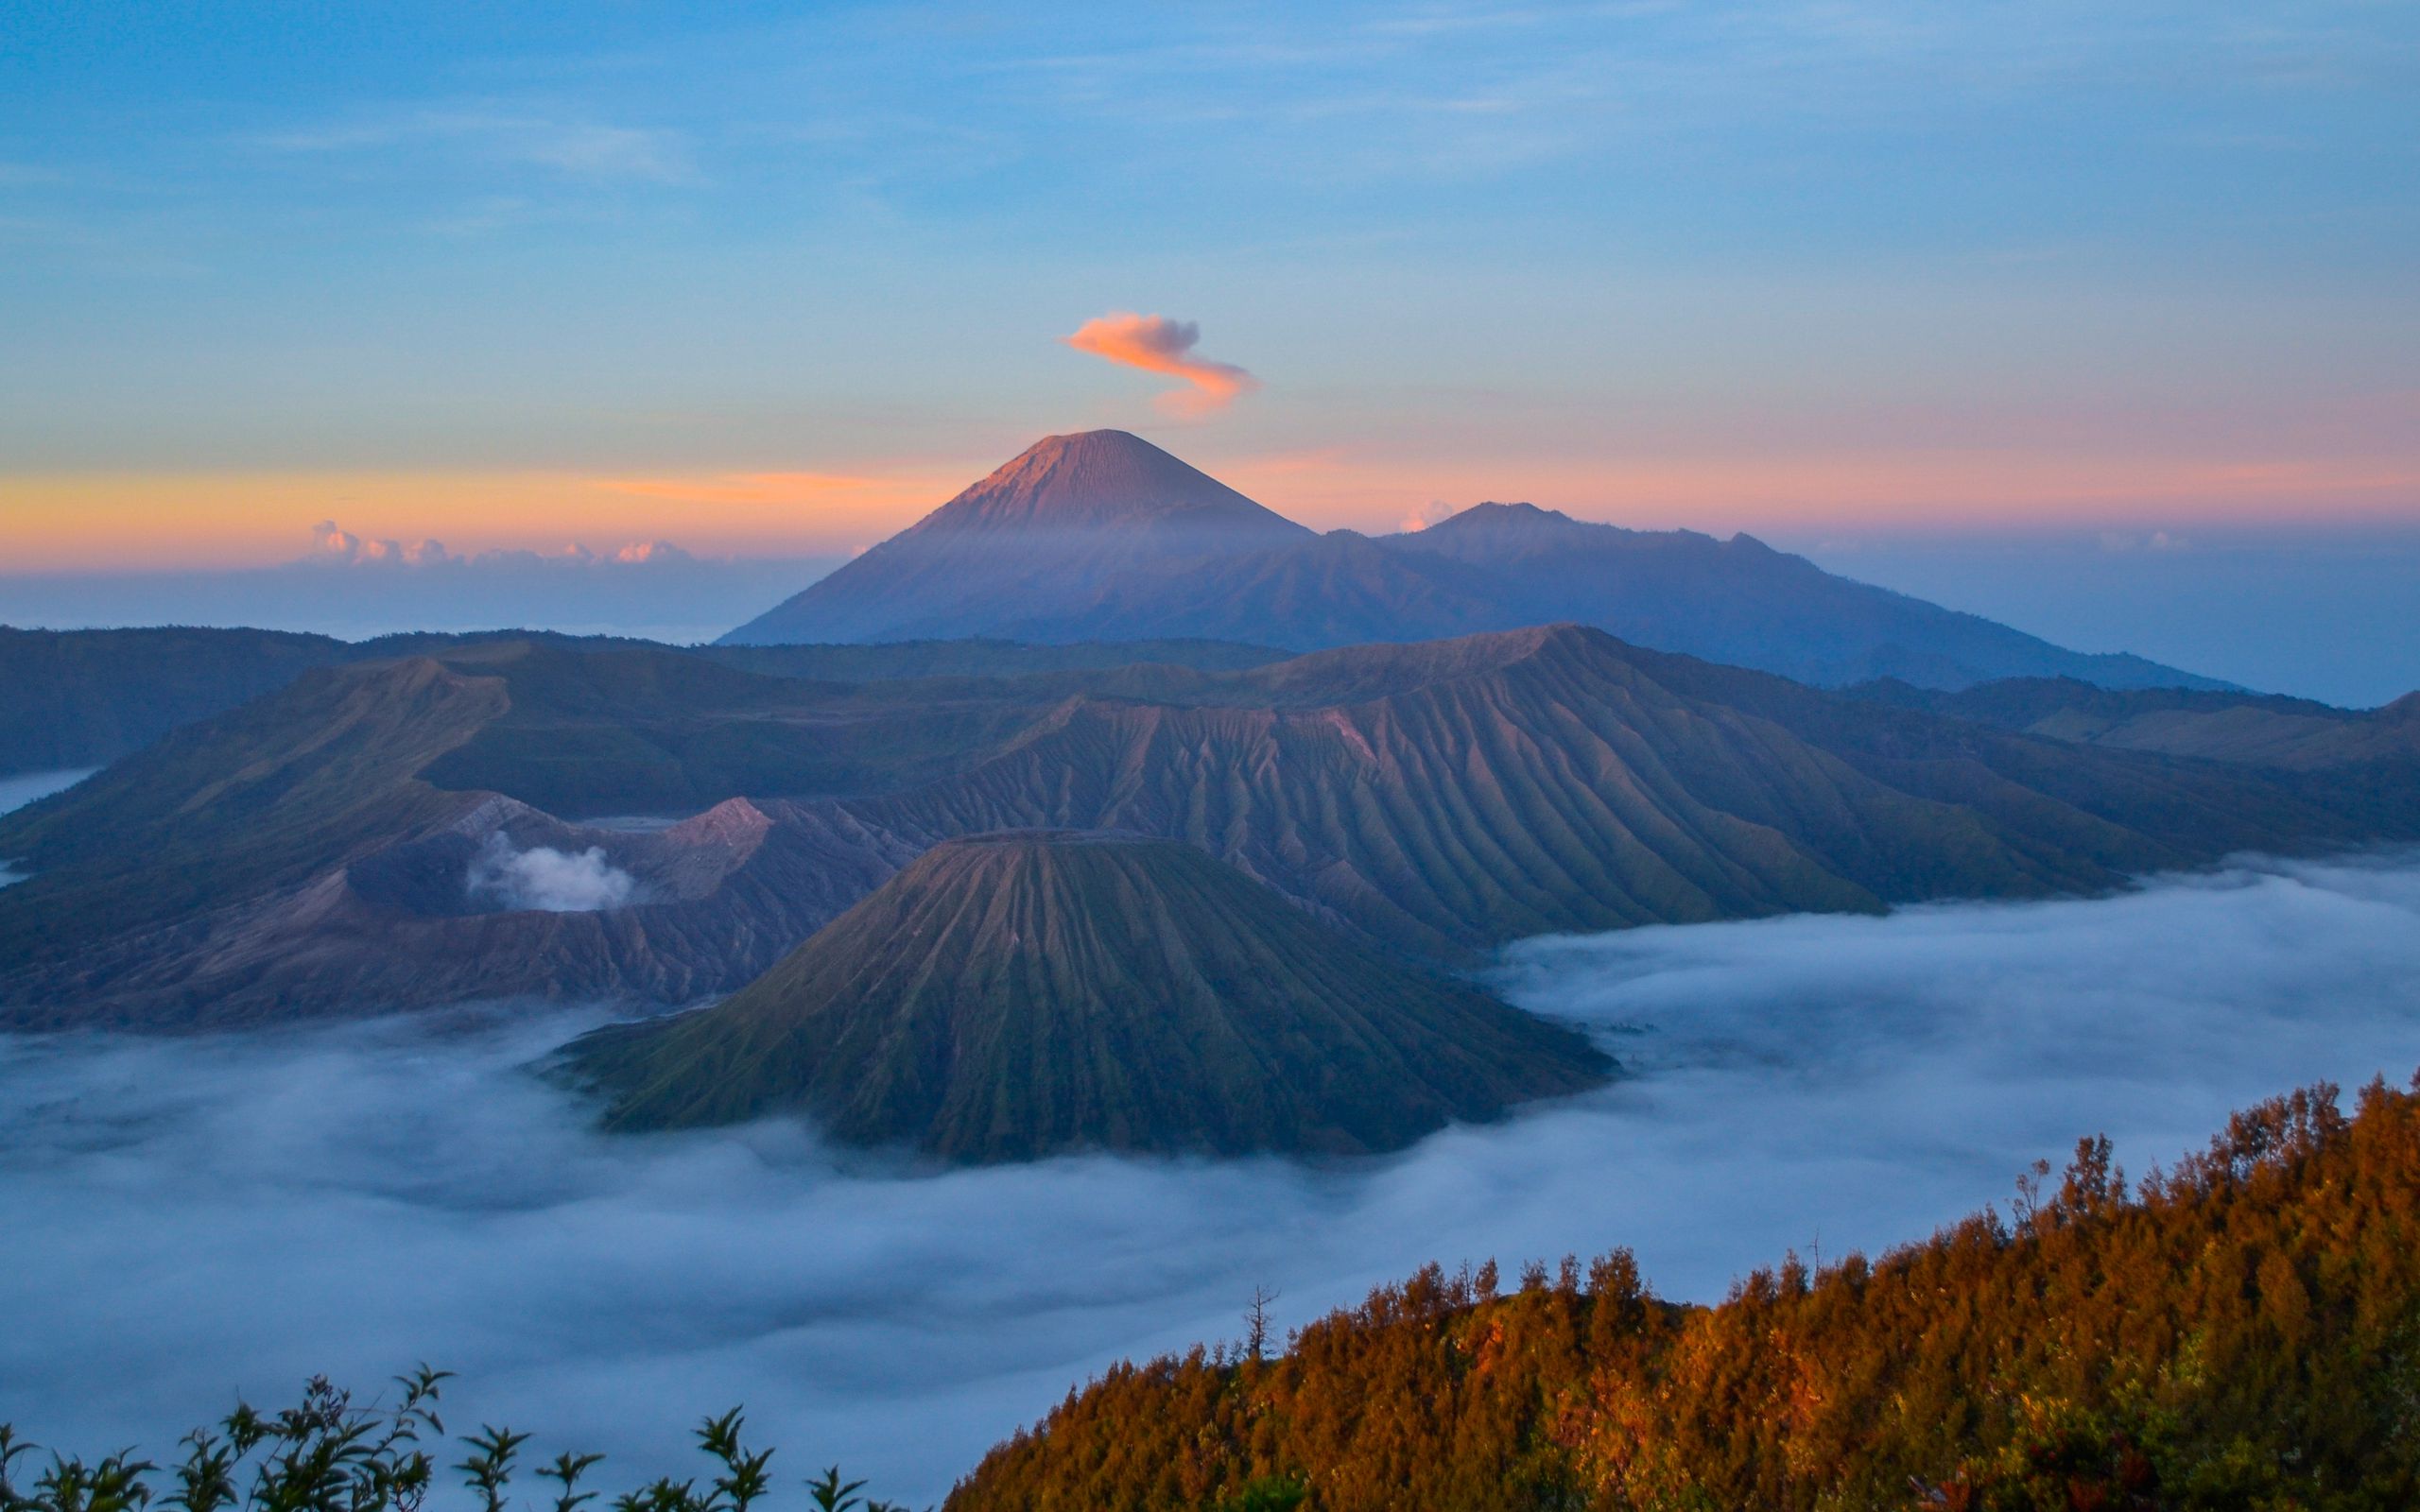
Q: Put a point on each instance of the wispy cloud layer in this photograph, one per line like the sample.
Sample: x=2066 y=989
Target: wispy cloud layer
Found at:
x=1157 y=344
x=576 y=148
x=351 y=1201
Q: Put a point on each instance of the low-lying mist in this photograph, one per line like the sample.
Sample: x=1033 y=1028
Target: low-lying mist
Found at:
x=185 y=1218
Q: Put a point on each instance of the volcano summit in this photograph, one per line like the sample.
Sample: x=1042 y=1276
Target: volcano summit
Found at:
x=1102 y=535
x=1039 y=537
x=1026 y=993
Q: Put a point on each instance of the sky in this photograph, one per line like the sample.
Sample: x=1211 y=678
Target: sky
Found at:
x=359 y=1198
x=773 y=281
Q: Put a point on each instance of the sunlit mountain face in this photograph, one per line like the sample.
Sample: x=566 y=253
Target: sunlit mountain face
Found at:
x=1415 y=753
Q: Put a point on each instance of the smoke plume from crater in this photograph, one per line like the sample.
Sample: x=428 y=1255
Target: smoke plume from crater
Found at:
x=557 y=881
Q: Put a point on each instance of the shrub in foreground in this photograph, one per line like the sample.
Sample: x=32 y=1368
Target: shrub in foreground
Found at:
x=328 y=1453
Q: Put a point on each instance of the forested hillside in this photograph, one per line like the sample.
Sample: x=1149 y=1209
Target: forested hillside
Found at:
x=2240 y=1332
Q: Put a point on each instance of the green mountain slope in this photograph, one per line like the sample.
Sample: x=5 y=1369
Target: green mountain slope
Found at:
x=259 y=799
x=1456 y=795
x=87 y=698
x=1017 y=995
x=1440 y=798
x=293 y=858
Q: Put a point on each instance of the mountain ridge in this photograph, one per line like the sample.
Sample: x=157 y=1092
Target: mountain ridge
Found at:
x=1088 y=478
x=1075 y=539
x=1067 y=513
x=1435 y=798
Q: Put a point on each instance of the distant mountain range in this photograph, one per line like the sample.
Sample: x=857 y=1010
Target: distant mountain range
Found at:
x=1016 y=836
x=1102 y=535
x=87 y=698
x=318 y=851
x=2252 y=730
x=1011 y=996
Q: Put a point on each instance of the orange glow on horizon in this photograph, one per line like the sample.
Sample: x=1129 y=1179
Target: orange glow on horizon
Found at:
x=146 y=522
x=1978 y=490
x=143 y=522
x=745 y=488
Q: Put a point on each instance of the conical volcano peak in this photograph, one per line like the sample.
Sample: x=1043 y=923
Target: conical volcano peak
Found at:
x=1038 y=536
x=1031 y=992
x=1093 y=479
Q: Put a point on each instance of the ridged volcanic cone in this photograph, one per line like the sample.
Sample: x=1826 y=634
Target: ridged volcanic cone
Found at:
x=1016 y=995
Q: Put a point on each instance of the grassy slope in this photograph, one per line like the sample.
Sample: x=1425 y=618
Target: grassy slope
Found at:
x=895 y=659
x=1442 y=798
x=1460 y=794
x=1018 y=995
x=262 y=797
x=87 y=698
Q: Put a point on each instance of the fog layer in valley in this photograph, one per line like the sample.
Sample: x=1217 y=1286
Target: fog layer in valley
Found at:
x=188 y=1217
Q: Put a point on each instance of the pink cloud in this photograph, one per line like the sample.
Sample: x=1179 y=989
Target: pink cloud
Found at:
x=640 y=552
x=330 y=544
x=1157 y=344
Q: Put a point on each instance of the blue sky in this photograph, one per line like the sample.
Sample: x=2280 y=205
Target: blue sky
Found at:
x=429 y=235
x=773 y=280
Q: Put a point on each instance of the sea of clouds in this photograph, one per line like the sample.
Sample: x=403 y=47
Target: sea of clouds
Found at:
x=182 y=1219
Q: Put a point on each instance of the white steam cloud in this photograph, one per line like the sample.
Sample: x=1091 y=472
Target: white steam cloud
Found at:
x=558 y=882
x=258 y=1208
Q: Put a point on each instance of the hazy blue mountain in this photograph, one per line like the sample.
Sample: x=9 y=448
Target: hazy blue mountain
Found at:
x=1065 y=516
x=1104 y=537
